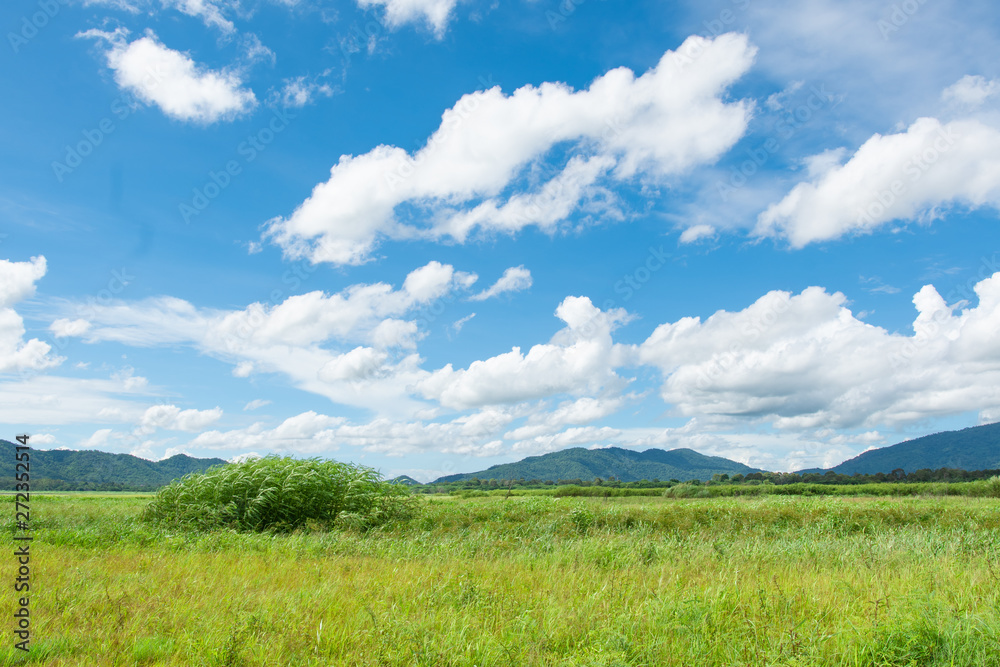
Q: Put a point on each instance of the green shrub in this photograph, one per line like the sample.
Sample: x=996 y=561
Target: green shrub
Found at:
x=281 y=494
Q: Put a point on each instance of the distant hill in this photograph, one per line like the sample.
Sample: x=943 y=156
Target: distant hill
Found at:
x=69 y=470
x=622 y=464
x=975 y=448
x=406 y=480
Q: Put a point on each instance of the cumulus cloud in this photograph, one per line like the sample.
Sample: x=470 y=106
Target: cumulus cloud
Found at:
x=172 y=418
x=904 y=176
x=352 y=347
x=579 y=359
x=171 y=80
x=17 y=282
x=571 y=437
x=805 y=361
x=474 y=172
x=63 y=327
x=256 y=403
x=17 y=279
x=311 y=433
x=514 y=279
x=98 y=440
x=435 y=13
x=580 y=411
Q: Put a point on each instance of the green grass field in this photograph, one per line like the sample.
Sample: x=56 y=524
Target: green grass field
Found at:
x=770 y=580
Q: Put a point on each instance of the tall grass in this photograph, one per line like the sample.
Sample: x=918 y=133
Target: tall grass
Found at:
x=275 y=493
x=642 y=582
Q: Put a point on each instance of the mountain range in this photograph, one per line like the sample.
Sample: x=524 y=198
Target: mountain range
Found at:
x=68 y=470
x=625 y=465
x=976 y=448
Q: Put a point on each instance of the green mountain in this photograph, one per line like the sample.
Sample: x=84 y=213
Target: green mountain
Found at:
x=405 y=480
x=68 y=470
x=975 y=448
x=622 y=464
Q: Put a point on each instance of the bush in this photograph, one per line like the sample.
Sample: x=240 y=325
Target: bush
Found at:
x=274 y=493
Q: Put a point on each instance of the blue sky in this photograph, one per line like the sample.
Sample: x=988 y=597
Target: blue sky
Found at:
x=434 y=235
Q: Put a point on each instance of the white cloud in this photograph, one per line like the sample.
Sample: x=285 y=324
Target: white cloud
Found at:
x=971 y=91
x=580 y=411
x=43 y=439
x=805 y=361
x=255 y=51
x=17 y=279
x=696 y=233
x=256 y=403
x=98 y=440
x=171 y=80
x=128 y=380
x=456 y=326
x=130 y=6
x=903 y=176
x=243 y=369
x=571 y=437
x=369 y=365
x=552 y=203
x=308 y=432
x=209 y=11
x=311 y=433
x=172 y=418
x=654 y=126
x=299 y=92
x=52 y=400
x=435 y=13
x=579 y=359
x=63 y=327
x=174 y=451
x=17 y=282
x=359 y=363
x=514 y=279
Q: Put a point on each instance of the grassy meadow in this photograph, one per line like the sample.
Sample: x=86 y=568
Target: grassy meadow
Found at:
x=524 y=580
